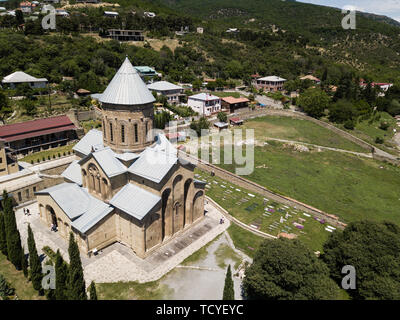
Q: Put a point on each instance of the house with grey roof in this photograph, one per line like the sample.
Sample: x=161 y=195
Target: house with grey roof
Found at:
x=19 y=77
x=128 y=185
x=204 y=104
x=172 y=92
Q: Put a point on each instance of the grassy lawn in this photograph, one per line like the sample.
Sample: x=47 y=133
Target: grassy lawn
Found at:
x=368 y=131
x=132 y=291
x=222 y=94
x=46 y=153
x=299 y=130
x=264 y=214
x=342 y=184
x=23 y=289
x=245 y=240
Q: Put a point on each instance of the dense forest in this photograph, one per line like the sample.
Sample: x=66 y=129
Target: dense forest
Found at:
x=284 y=38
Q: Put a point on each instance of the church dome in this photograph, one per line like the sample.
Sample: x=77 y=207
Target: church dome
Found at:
x=127 y=88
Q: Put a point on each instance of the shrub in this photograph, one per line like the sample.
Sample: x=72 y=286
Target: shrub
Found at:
x=349 y=124
x=384 y=125
x=379 y=140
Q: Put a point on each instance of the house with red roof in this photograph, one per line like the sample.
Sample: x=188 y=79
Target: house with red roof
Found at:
x=233 y=104
x=37 y=135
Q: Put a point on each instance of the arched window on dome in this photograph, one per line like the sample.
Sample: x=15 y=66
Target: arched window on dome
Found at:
x=136 y=132
x=123 y=133
x=111 y=132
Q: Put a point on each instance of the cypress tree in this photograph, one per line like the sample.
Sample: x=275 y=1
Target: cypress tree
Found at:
x=34 y=262
x=61 y=269
x=229 y=293
x=13 y=238
x=77 y=288
x=24 y=263
x=3 y=238
x=93 y=292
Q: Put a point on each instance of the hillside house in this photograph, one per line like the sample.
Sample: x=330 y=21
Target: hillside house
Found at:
x=311 y=78
x=233 y=104
x=204 y=104
x=111 y=14
x=173 y=92
x=19 y=77
x=269 y=84
x=125 y=35
x=26 y=7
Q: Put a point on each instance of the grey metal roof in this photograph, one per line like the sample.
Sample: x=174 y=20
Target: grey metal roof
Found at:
x=163 y=86
x=135 y=201
x=20 y=76
x=97 y=211
x=127 y=88
x=94 y=138
x=71 y=198
x=109 y=163
x=204 y=97
x=271 y=78
x=73 y=173
x=153 y=164
x=127 y=156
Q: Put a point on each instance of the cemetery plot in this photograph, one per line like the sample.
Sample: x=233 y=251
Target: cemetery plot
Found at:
x=265 y=214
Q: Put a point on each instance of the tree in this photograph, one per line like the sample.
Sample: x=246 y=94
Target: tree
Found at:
x=76 y=288
x=35 y=265
x=12 y=234
x=5 y=108
x=61 y=269
x=222 y=116
x=314 y=101
x=202 y=124
x=3 y=238
x=229 y=291
x=373 y=249
x=92 y=290
x=24 y=263
x=287 y=270
x=5 y=289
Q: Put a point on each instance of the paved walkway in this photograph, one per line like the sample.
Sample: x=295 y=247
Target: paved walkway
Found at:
x=118 y=262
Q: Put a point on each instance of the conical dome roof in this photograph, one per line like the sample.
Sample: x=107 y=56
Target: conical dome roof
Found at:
x=127 y=88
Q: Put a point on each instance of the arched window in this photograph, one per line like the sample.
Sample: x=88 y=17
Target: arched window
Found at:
x=123 y=133
x=136 y=132
x=104 y=130
x=111 y=132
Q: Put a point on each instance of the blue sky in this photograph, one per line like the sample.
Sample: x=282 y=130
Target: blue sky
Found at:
x=390 y=8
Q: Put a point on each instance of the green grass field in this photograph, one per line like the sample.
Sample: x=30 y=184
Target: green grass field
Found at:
x=23 y=288
x=225 y=94
x=368 y=131
x=132 y=291
x=345 y=185
x=299 y=130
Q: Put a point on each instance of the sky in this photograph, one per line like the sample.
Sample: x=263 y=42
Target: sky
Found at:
x=390 y=8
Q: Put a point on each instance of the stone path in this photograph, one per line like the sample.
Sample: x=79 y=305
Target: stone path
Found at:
x=117 y=262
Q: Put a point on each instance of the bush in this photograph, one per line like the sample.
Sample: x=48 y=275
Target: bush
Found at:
x=379 y=140
x=349 y=124
x=43 y=159
x=48 y=157
x=31 y=161
x=384 y=125
x=5 y=289
x=59 y=155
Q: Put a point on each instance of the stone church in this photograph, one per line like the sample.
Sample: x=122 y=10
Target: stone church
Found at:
x=128 y=185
